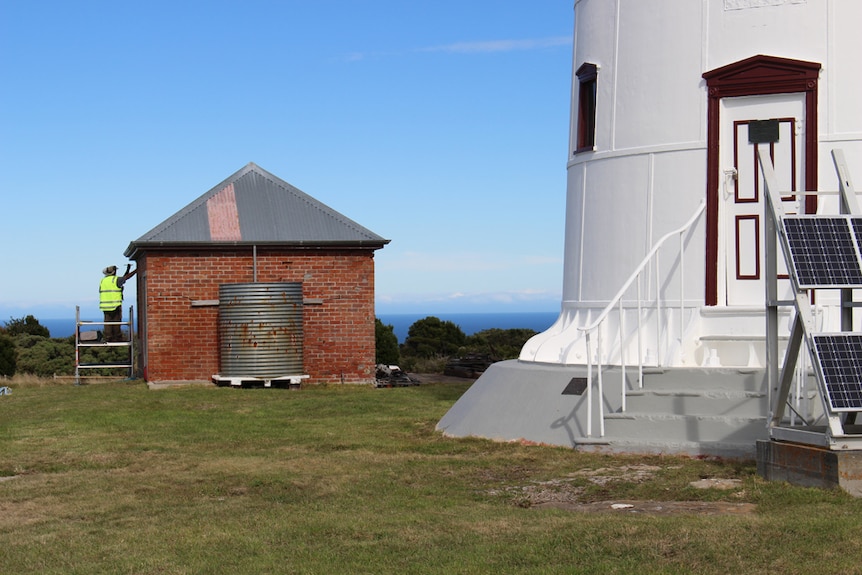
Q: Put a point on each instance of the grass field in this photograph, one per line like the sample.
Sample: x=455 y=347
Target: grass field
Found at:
x=117 y=478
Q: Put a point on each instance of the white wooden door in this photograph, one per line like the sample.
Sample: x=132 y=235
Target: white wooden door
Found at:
x=742 y=192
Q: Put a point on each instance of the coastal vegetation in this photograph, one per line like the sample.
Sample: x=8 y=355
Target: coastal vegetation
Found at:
x=431 y=343
x=26 y=347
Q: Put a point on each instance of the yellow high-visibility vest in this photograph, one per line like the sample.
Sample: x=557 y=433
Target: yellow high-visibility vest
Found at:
x=110 y=294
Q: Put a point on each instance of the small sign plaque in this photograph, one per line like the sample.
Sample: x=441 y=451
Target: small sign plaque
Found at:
x=762 y=131
x=576 y=386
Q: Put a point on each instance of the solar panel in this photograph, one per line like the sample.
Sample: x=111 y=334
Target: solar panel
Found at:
x=840 y=360
x=823 y=251
x=856 y=223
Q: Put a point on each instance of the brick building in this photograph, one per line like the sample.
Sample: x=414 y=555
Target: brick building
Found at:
x=255 y=228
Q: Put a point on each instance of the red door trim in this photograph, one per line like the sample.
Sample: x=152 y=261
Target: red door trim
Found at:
x=756 y=275
x=755 y=76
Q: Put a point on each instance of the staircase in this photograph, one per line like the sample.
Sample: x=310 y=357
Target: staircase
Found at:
x=664 y=384
x=691 y=411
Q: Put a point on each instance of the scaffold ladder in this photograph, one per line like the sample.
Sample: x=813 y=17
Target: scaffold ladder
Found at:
x=79 y=344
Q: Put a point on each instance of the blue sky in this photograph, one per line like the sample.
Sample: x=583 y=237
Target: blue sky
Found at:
x=440 y=125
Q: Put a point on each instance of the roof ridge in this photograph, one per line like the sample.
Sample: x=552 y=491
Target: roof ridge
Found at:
x=271 y=207
x=315 y=203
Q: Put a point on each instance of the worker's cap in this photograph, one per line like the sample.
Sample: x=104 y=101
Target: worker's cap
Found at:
x=109 y=270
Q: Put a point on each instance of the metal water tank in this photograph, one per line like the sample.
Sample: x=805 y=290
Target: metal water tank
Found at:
x=260 y=329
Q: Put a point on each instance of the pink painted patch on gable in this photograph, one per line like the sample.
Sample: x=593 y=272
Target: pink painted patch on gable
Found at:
x=223 y=216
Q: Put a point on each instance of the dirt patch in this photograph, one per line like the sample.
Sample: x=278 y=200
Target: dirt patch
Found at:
x=654 y=507
x=566 y=493
x=630 y=473
x=717 y=483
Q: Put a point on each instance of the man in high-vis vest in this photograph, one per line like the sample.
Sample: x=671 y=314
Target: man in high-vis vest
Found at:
x=111 y=300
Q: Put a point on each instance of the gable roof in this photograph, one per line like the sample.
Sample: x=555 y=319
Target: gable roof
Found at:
x=254 y=207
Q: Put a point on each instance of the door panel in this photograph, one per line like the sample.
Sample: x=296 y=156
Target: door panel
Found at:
x=741 y=207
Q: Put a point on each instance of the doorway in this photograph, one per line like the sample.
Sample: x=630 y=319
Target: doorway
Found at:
x=758 y=88
x=742 y=202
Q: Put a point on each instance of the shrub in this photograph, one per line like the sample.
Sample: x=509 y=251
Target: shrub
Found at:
x=387 y=343
x=431 y=337
x=8 y=356
x=499 y=344
x=45 y=357
x=28 y=325
x=435 y=364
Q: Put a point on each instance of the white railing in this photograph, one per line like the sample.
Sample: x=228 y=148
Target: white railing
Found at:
x=661 y=325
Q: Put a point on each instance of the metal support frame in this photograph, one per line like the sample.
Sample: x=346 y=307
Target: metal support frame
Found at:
x=130 y=365
x=834 y=434
x=848 y=205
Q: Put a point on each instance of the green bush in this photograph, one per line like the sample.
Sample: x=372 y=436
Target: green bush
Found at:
x=38 y=354
x=387 y=343
x=28 y=325
x=431 y=342
x=435 y=364
x=431 y=337
x=8 y=356
x=44 y=356
x=499 y=344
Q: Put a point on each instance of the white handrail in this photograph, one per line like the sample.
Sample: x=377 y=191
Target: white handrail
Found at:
x=643 y=264
x=617 y=301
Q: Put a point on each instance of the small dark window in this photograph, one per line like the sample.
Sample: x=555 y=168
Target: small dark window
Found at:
x=586 y=75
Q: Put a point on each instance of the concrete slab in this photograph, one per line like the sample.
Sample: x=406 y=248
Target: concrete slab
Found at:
x=810 y=466
x=514 y=401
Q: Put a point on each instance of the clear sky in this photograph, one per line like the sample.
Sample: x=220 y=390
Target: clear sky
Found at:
x=441 y=125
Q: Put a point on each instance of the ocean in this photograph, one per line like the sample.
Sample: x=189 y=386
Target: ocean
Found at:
x=66 y=327
x=469 y=323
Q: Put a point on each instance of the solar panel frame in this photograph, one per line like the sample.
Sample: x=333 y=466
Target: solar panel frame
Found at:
x=824 y=250
x=839 y=359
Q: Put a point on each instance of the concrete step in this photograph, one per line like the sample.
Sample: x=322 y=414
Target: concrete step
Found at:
x=729 y=449
x=723 y=402
x=670 y=428
x=713 y=379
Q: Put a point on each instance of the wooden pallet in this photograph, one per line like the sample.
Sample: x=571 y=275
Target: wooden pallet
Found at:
x=291 y=381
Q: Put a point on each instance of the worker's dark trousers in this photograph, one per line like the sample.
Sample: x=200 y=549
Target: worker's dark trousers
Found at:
x=112 y=332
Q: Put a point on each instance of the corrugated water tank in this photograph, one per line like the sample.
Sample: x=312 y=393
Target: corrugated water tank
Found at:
x=260 y=329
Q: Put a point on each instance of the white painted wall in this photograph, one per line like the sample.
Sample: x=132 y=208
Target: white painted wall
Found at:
x=647 y=173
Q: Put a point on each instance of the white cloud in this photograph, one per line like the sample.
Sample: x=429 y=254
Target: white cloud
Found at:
x=478 y=301
x=500 y=45
x=477 y=47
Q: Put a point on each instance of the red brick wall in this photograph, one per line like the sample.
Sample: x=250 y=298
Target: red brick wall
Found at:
x=181 y=341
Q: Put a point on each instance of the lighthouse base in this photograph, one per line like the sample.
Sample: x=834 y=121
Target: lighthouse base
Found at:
x=694 y=411
x=520 y=401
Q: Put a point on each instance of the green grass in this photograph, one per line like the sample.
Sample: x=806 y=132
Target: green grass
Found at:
x=115 y=478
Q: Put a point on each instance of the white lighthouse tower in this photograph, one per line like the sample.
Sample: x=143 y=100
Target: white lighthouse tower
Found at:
x=665 y=272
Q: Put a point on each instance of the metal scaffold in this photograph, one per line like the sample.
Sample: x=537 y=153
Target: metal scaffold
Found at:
x=128 y=341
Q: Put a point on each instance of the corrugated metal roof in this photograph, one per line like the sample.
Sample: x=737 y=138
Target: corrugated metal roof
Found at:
x=255 y=207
